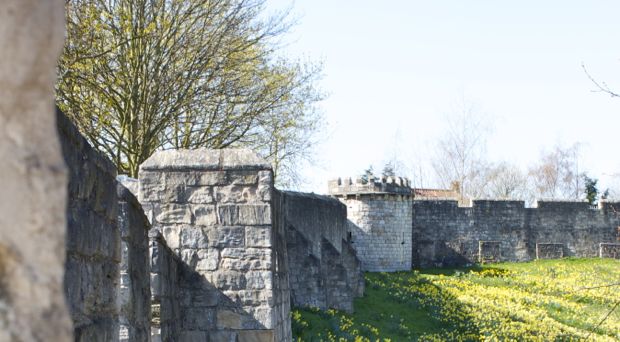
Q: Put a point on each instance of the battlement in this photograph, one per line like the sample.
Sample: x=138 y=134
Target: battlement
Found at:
x=499 y=204
x=383 y=185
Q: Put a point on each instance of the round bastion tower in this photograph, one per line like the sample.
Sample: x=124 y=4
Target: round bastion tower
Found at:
x=380 y=220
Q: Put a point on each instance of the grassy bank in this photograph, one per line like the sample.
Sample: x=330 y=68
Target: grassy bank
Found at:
x=550 y=300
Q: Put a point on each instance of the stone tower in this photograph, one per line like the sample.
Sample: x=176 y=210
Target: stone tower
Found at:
x=379 y=212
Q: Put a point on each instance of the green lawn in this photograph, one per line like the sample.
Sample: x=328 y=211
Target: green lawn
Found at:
x=550 y=300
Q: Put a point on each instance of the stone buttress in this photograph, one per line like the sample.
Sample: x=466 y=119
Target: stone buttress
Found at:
x=214 y=209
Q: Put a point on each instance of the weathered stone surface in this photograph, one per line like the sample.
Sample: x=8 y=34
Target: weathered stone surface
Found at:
x=174 y=213
x=134 y=293
x=380 y=217
x=200 y=194
x=193 y=237
x=265 y=185
x=207 y=298
x=172 y=235
x=223 y=336
x=92 y=268
x=33 y=181
x=256 y=336
x=165 y=289
x=193 y=336
x=150 y=186
x=224 y=237
x=257 y=236
x=609 y=250
x=259 y=280
x=324 y=270
x=209 y=201
x=243 y=177
x=229 y=280
x=227 y=319
x=237 y=194
x=446 y=234
x=244 y=214
x=208 y=259
x=244 y=259
x=489 y=251
x=205 y=160
x=198 y=318
x=549 y=250
x=204 y=214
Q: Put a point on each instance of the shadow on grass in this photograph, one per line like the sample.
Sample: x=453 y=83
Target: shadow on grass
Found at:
x=401 y=306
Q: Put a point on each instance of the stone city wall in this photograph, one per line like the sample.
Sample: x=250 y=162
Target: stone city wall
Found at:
x=93 y=238
x=165 y=288
x=324 y=269
x=380 y=218
x=215 y=265
x=135 y=292
x=446 y=234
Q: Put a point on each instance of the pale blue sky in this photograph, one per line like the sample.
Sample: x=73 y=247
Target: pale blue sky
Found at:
x=393 y=68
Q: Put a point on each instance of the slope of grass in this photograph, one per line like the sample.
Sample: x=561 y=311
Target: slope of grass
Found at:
x=548 y=300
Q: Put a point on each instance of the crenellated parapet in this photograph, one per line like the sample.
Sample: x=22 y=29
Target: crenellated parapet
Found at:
x=358 y=186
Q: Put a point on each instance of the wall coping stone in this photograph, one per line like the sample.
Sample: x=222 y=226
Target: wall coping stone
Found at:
x=204 y=159
x=312 y=195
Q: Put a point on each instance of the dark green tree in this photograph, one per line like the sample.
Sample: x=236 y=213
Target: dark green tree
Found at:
x=388 y=170
x=367 y=175
x=591 y=189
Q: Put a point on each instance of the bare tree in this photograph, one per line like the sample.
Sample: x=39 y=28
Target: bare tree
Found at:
x=601 y=87
x=506 y=181
x=557 y=174
x=460 y=154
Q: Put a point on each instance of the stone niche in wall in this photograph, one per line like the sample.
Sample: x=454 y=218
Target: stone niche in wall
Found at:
x=609 y=250
x=489 y=252
x=549 y=250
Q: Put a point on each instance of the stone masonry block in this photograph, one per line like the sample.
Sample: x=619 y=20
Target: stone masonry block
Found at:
x=251 y=297
x=208 y=259
x=193 y=336
x=201 y=194
x=236 y=194
x=223 y=336
x=265 y=185
x=205 y=298
x=204 y=214
x=259 y=280
x=258 y=236
x=172 y=235
x=256 y=336
x=198 y=319
x=228 y=280
x=174 y=213
x=263 y=317
x=196 y=178
x=224 y=237
x=243 y=177
x=193 y=237
x=151 y=186
x=244 y=214
x=227 y=319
